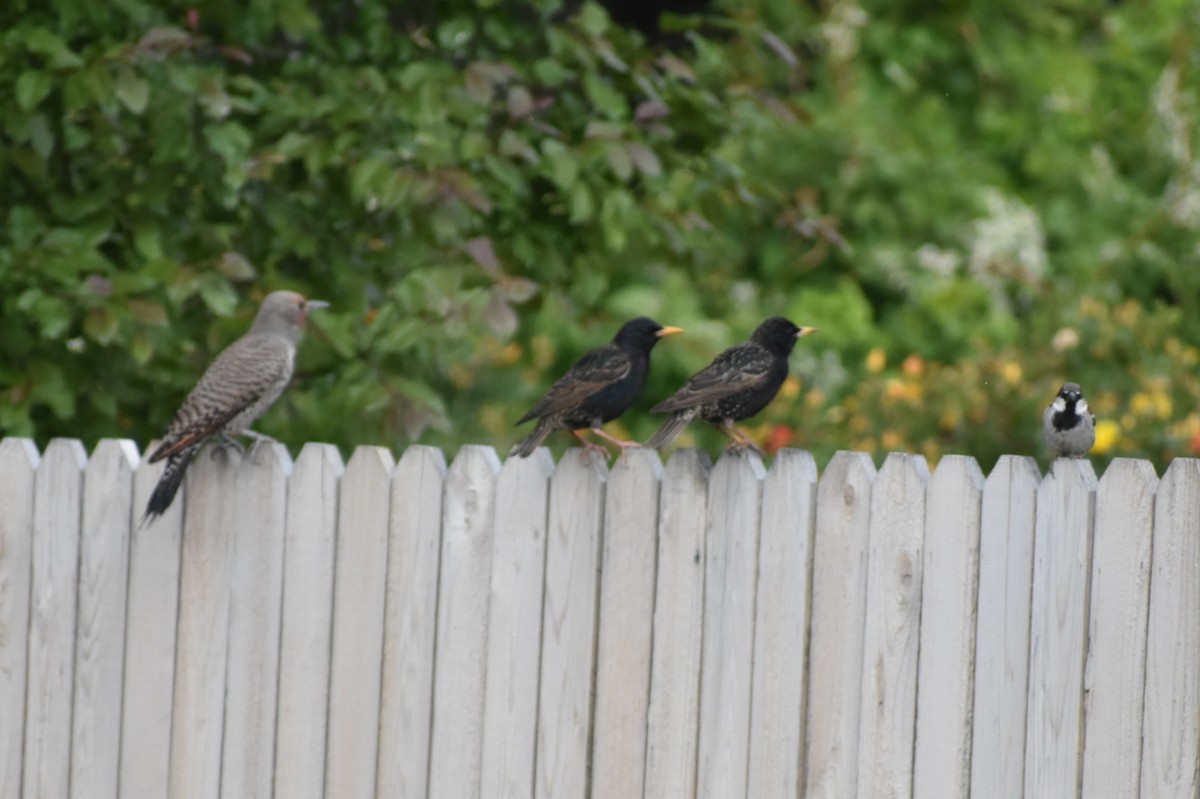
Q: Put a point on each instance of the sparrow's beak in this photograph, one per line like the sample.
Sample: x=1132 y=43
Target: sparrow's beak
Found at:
x=316 y=305
x=804 y=331
x=669 y=331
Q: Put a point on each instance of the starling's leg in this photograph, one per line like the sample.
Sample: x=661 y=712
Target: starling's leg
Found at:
x=590 y=446
x=624 y=445
x=741 y=440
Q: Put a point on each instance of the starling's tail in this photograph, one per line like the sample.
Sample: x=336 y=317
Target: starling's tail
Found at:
x=526 y=448
x=671 y=428
x=168 y=485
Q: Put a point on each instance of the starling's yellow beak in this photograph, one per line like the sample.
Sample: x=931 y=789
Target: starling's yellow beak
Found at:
x=804 y=331
x=669 y=331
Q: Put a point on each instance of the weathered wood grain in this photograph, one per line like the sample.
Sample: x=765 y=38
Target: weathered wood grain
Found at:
x=410 y=623
x=100 y=626
x=359 y=588
x=1009 y=517
x=514 y=642
x=1171 y=717
x=672 y=726
x=777 y=711
x=462 y=636
x=946 y=672
x=569 y=627
x=306 y=624
x=1062 y=551
x=626 y=625
x=252 y=682
x=839 y=606
x=18 y=467
x=57 y=508
x=891 y=635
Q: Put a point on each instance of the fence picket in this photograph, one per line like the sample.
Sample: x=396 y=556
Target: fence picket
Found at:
x=57 y=506
x=100 y=626
x=839 y=595
x=672 y=726
x=891 y=635
x=151 y=625
x=949 y=586
x=359 y=587
x=777 y=711
x=734 y=505
x=306 y=623
x=18 y=467
x=252 y=684
x=569 y=626
x=1062 y=549
x=1120 y=594
x=626 y=625
x=1009 y=516
x=514 y=638
x=1171 y=723
x=456 y=752
x=410 y=623
x=206 y=573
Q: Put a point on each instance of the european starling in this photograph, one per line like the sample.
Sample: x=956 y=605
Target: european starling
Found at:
x=739 y=383
x=597 y=389
x=238 y=387
x=1068 y=427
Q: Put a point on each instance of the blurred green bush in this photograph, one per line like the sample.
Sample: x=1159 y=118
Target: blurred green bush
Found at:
x=974 y=202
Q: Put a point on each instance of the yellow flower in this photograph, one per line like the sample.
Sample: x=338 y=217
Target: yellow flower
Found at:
x=1011 y=373
x=790 y=388
x=1107 y=432
x=876 y=360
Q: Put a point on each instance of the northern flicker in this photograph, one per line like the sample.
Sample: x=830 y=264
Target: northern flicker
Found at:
x=739 y=383
x=237 y=388
x=597 y=389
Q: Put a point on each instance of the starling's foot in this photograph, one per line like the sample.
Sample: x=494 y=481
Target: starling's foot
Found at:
x=624 y=445
x=746 y=444
x=591 y=446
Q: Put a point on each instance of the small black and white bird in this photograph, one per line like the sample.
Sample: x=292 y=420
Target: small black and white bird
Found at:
x=1068 y=427
x=739 y=383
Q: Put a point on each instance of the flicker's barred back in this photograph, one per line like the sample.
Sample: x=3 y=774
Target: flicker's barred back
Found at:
x=238 y=387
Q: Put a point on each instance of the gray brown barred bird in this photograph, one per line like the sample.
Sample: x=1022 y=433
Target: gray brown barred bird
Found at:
x=237 y=388
x=739 y=383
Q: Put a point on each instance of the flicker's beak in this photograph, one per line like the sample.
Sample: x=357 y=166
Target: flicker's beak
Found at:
x=316 y=305
x=669 y=331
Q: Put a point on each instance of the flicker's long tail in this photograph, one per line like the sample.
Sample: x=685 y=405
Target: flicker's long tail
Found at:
x=526 y=448
x=671 y=428
x=168 y=484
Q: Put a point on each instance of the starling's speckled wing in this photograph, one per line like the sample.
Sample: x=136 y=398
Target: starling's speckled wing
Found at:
x=249 y=372
x=598 y=369
x=737 y=369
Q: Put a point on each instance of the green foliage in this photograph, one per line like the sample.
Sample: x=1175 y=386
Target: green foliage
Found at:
x=485 y=190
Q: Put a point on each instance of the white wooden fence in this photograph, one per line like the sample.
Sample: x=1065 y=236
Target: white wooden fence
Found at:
x=521 y=630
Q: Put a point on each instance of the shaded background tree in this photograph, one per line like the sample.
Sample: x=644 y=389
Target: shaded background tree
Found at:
x=974 y=203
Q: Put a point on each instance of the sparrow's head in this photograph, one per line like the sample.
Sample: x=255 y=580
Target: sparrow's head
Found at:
x=1070 y=397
